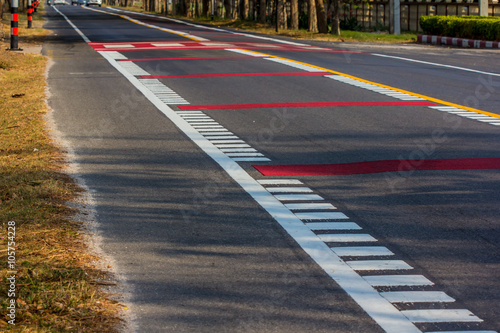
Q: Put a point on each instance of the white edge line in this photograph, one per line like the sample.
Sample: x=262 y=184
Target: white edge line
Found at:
x=378 y=308
x=436 y=64
x=85 y=38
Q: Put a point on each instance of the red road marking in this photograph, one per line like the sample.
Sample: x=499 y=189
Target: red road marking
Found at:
x=193 y=58
x=209 y=45
x=300 y=105
x=231 y=74
x=378 y=166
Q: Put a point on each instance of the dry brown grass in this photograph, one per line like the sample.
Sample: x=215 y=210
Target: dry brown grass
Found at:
x=57 y=281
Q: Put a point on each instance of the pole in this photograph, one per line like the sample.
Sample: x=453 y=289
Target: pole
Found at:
x=14 y=23
x=213 y=9
x=30 y=14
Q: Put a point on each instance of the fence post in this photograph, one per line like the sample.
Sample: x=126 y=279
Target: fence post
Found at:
x=30 y=14
x=14 y=24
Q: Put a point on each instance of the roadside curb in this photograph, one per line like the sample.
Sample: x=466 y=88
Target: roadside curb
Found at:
x=460 y=42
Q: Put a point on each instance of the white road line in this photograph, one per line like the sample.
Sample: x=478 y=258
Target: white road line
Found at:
x=289 y=189
x=321 y=216
x=244 y=154
x=333 y=226
x=216 y=142
x=251 y=159
x=440 y=316
x=279 y=182
x=397 y=280
x=239 y=150
x=305 y=206
x=416 y=296
x=378 y=265
x=298 y=197
x=346 y=238
x=232 y=145
x=362 y=251
x=436 y=64
x=216 y=137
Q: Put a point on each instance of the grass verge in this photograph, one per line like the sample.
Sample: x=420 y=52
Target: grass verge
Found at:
x=346 y=35
x=57 y=285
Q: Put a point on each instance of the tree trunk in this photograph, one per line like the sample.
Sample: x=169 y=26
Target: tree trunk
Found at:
x=262 y=11
x=322 y=23
x=280 y=14
x=227 y=8
x=205 y=4
x=311 y=13
x=246 y=8
x=336 y=17
x=294 y=7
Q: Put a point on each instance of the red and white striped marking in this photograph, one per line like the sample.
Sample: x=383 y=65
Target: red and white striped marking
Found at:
x=204 y=45
x=462 y=42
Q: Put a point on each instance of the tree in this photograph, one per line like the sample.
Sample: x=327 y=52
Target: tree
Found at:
x=320 y=11
x=336 y=17
x=294 y=8
x=262 y=11
x=311 y=13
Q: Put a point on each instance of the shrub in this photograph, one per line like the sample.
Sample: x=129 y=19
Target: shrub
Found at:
x=473 y=27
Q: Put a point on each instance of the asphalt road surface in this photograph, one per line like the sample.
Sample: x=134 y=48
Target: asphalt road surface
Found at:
x=245 y=183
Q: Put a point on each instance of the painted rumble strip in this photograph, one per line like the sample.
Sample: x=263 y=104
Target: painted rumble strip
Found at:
x=336 y=239
x=302 y=105
x=378 y=166
x=232 y=75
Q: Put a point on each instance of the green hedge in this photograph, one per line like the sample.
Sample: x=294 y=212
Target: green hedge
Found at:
x=472 y=27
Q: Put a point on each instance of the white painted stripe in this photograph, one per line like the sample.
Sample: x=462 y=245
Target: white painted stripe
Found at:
x=232 y=145
x=295 y=65
x=132 y=68
x=215 y=142
x=238 y=150
x=440 y=316
x=397 y=280
x=333 y=226
x=212 y=138
x=244 y=154
x=321 y=216
x=298 y=197
x=248 y=53
x=362 y=251
x=346 y=238
x=117 y=55
x=85 y=38
x=436 y=64
x=289 y=189
x=193 y=122
x=217 y=133
x=251 y=159
x=279 y=182
x=416 y=296
x=116 y=46
x=378 y=265
x=189 y=112
x=213 y=130
x=168 y=44
x=298 y=206
x=207 y=126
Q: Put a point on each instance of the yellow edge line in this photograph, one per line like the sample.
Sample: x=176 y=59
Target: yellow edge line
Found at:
x=145 y=25
x=431 y=99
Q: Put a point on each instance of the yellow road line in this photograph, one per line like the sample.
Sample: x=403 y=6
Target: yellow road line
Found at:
x=431 y=99
x=148 y=25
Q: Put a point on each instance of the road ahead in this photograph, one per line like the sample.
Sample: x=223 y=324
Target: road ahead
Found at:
x=250 y=184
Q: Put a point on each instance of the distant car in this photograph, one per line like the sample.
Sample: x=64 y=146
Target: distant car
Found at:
x=94 y=3
x=82 y=2
x=58 y=2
